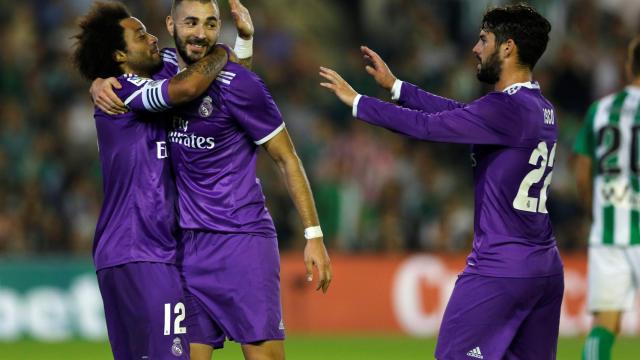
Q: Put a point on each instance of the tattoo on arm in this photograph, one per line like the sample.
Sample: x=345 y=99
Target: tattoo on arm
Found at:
x=210 y=65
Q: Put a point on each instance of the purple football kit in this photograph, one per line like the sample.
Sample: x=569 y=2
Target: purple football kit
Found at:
x=506 y=303
x=229 y=252
x=135 y=242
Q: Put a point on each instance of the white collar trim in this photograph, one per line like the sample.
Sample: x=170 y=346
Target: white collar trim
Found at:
x=633 y=89
x=528 y=85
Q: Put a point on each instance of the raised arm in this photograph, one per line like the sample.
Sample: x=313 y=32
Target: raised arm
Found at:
x=244 y=42
x=282 y=151
x=404 y=93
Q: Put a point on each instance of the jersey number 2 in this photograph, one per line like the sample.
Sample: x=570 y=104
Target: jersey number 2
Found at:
x=180 y=312
x=525 y=202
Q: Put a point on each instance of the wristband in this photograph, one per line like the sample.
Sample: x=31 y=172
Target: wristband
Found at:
x=312 y=232
x=243 y=48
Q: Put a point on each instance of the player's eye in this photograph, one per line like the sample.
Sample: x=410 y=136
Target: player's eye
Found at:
x=211 y=25
x=190 y=23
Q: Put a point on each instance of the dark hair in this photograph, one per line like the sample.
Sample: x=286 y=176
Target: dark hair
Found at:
x=524 y=25
x=100 y=36
x=175 y=3
x=634 y=56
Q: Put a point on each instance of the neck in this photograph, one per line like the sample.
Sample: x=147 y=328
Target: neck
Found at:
x=508 y=78
x=636 y=82
x=126 y=69
x=181 y=63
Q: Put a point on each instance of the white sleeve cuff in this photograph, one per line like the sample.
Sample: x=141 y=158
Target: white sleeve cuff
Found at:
x=354 y=110
x=395 y=90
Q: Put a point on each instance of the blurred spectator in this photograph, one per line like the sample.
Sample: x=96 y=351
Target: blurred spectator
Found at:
x=375 y=191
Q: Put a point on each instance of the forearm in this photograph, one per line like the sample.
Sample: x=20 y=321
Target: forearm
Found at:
x=195 y=79
x=299 y=189
x=412 y=97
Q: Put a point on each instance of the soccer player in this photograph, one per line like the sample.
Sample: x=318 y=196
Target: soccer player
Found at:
x=230 y=262
x=607 y=172
x=135 y=245
x=506 y=303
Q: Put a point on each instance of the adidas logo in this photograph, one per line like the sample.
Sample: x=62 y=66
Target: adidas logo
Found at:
x=475 y=353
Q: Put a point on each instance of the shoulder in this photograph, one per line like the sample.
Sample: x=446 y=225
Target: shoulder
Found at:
x=236 y=79
x=169 y=55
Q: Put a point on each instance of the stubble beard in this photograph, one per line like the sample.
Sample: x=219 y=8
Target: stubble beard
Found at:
x=489 y=72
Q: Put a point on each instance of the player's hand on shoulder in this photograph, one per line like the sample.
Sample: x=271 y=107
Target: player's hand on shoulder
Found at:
x=377 y=68
x=315 y=254
x=105 y=98
x=242 y=19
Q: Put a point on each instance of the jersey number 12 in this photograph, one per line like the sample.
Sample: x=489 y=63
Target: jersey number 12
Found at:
x=180 y=312
x=525 y=202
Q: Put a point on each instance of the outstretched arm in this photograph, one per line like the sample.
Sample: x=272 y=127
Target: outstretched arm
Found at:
x=406 y=94
x=488 y=120
x=282 y=151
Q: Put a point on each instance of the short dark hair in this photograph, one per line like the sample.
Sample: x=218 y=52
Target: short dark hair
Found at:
x=100 y=37
x=175 y=3
x=634 y=56
x=524 y=25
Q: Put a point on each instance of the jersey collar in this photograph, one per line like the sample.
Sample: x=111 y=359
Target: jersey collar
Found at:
x=529 y=85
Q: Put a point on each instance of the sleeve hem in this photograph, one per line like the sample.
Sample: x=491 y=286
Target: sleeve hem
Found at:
x=271 y=135
x=354 y=109
x=396 y=89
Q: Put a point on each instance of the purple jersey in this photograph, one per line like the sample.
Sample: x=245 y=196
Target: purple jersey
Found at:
x=514 y=143
x=137 y=219
x=214 y=144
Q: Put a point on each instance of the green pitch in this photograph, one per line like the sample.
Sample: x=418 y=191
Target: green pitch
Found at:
x=301 y=347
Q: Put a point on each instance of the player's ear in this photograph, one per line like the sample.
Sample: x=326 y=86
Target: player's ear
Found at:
x=509 y=47
x=170 y=24
x=120 y=56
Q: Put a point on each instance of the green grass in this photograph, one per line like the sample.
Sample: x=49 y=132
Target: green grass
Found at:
x=301 y=347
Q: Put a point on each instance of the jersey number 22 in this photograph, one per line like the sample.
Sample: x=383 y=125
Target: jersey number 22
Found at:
x=525 y=202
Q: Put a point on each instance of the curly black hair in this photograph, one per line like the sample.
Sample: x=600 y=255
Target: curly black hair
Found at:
x=524 y=25
x=100 y=37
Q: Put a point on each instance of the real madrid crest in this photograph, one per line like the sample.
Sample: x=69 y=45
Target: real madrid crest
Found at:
x=176 y=348
x=206 y=107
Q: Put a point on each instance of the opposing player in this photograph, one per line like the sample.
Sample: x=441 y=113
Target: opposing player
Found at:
x=506 y=303
x=135 y=244
x=608 y=174
x=230 y=262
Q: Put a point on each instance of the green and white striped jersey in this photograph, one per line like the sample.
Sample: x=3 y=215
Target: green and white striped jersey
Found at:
x=610 y=135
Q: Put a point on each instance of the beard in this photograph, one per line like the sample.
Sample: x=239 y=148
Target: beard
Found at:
x=489 y=71
x=181 y=47
x=146 y=66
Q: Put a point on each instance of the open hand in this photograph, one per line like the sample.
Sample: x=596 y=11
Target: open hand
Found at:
x=242 y=18
x=338 y=85
x=315 y=254
x=377 y=68
x=105 y=98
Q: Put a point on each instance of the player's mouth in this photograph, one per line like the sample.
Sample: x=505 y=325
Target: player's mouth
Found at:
x=196 y=48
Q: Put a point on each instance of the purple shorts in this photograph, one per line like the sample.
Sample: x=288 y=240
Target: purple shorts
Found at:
x=501 y=318
x=232 y=287
x=145 y=311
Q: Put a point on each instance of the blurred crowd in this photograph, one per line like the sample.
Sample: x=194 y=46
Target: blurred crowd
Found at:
x=375 y=190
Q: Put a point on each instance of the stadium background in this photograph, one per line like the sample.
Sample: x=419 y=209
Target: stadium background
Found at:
x=397 y=214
